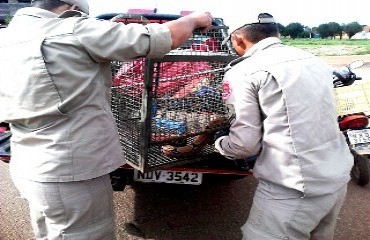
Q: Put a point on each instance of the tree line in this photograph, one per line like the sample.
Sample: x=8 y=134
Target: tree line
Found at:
x=326 y=30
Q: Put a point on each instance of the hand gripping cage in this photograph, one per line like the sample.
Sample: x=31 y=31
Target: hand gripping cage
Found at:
x=170 y=100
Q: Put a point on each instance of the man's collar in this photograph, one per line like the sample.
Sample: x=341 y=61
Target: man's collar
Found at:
x=72 y=13
x=263 y=44
x=41 y=13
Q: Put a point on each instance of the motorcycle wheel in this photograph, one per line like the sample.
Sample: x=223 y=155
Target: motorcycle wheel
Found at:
x=360 y=170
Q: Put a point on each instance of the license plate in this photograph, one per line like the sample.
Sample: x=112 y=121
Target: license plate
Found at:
x=359 y=136
x=362 y=148
x=163 y=176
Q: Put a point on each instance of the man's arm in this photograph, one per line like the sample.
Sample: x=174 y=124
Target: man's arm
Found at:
x=106 y=40
x=244 y=139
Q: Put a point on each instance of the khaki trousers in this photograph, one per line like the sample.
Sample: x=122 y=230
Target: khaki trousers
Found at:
x=281 y=213
x=80 y=210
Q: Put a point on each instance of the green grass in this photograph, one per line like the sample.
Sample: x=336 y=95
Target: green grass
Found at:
x=331 y=47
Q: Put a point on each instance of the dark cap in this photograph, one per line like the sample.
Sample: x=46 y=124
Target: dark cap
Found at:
x=262 y=18
x=82 y=4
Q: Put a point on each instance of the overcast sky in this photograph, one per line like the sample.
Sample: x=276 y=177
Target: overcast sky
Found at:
x=308 y=12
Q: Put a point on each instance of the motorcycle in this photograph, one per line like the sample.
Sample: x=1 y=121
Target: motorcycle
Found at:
x=5 y=135
x=354 y=126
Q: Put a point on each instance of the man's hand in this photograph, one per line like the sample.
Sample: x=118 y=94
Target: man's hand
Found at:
x=218 y=147
x=203 y=21
x=182 y=28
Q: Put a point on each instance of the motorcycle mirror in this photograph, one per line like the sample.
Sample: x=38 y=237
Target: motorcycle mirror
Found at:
x=356 y=64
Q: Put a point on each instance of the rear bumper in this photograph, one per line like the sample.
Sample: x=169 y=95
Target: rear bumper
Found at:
x=215 y=167
x=212 y=166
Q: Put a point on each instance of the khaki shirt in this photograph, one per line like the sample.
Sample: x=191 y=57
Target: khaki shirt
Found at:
x=56 y=78
x=285 y=113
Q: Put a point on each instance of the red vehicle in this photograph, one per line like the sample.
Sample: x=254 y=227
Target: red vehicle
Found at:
x=171 y=101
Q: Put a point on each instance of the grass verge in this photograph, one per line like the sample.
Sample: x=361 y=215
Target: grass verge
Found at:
x=331 y=47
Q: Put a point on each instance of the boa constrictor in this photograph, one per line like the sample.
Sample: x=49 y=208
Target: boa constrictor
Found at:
x=199 y=142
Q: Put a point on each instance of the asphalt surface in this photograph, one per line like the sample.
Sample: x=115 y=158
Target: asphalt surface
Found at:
x=214 y=210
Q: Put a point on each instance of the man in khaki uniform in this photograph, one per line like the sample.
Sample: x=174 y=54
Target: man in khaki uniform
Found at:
x=285 y=114
x=55 y=77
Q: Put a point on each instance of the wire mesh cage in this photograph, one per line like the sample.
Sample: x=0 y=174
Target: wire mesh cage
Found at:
x=170 y=100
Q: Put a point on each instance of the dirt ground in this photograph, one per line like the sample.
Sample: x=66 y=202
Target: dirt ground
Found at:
x=343 y=60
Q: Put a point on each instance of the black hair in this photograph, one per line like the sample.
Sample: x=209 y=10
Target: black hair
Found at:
x=256 y=32
x=47 y=4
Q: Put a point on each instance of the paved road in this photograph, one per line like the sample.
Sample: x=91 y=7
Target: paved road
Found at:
x=338 y=61
x=215 y=210
x=212 y=211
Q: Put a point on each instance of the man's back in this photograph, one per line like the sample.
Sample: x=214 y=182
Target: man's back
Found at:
x=56 y=96
x=302 y=147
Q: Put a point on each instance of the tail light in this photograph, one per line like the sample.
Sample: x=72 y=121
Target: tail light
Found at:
x=5 y=159
x=353 y=122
